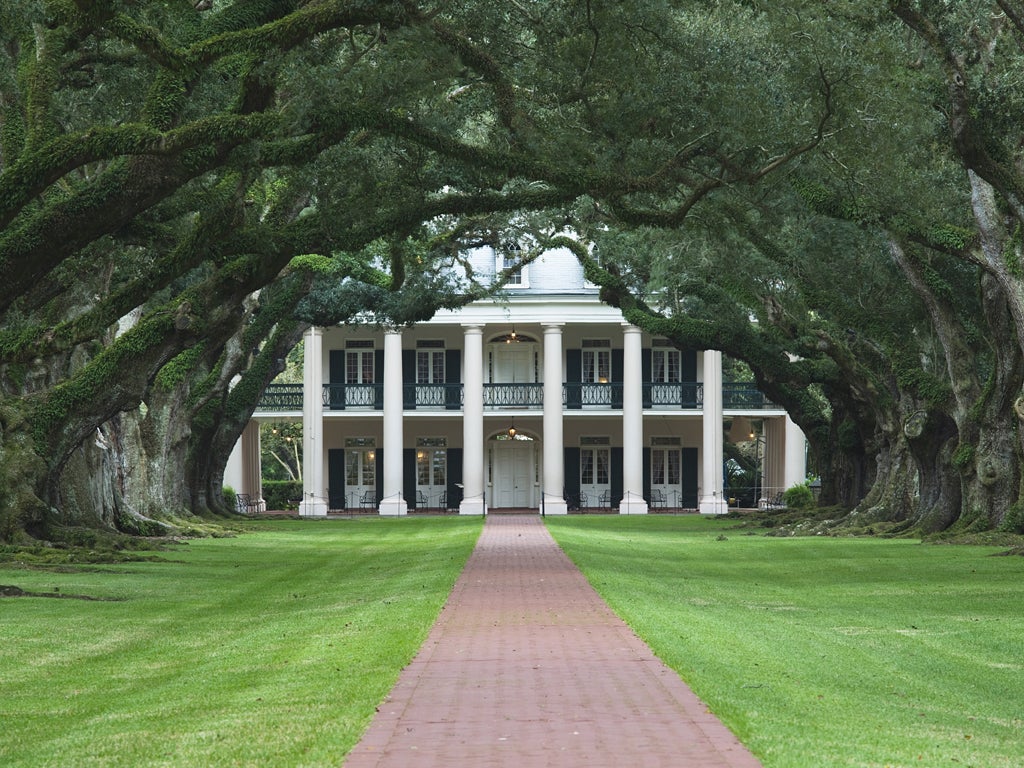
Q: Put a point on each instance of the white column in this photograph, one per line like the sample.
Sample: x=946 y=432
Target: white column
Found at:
x=473 y=502
x=252 y=474
x=233 y=468
x=772 y=466
x=633 y=502
x=795 y=471
x=553 y=486
x=712 y=500
x=392 y=502
x=314 y=501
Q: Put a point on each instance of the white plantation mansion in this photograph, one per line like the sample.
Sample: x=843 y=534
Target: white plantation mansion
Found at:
x=544 y=398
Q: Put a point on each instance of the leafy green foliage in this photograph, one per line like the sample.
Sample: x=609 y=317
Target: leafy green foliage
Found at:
x=177 y=192
x=281 y=455
x=798 y=497
x=281 y=494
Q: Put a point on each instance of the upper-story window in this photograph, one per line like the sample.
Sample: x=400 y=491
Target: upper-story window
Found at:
x=510 y=258
x=359 y=361
x=429 y=361
x=597 y=361
x=666 y=363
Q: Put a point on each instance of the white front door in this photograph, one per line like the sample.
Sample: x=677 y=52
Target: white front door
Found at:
x=512 y=473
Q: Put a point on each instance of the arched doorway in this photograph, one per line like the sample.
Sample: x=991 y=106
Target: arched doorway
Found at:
x=513 y=471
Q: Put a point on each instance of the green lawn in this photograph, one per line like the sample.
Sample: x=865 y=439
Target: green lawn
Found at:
x=269 y=649
x=273 y=648
x=824 y=651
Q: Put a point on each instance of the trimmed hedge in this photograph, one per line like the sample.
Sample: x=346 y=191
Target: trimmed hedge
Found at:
x=798 y=497
x=277 y=493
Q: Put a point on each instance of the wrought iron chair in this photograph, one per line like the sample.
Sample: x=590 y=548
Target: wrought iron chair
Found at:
x=246 y=505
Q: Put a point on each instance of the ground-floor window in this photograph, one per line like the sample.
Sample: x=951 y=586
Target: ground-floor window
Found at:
x=360 y=470
x=666 y=466
x=666 y=469
x=431 y=469
x=595 y=470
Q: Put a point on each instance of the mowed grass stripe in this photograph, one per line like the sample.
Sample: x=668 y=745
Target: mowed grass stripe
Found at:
x=824 y=651
x=272 y=648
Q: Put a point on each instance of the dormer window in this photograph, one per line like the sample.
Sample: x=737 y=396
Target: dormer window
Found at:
x=510 y=258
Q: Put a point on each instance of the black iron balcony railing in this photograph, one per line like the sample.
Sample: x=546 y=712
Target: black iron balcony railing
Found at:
x=281 y=397
x=447 y=396
x=743 y=396
x=340 y=396
x=591 y=395
x=735 y=396
x=678 y=394
x=513 y=395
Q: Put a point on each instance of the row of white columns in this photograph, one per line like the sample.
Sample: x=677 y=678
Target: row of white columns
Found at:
x=474 y=501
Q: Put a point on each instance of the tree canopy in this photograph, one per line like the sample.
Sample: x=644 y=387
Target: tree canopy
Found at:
x=881 y=270
x=185 y=186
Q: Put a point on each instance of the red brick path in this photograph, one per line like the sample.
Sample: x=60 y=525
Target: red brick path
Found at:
x=527 y=666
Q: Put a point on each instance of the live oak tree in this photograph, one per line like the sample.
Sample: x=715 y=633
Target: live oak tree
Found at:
x=904 y=326
x=975 y=53
x=185 y=187
x=180 y=182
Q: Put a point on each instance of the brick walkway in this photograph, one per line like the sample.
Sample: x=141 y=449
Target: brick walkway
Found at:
x=527 y=666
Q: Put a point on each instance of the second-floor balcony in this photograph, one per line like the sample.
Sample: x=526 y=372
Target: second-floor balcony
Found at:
x=281 y=397
x=575 y=396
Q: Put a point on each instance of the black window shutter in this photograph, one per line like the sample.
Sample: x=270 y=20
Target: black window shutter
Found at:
x=688 y=481
x=409 y=378
x=646 y=367
x=454 y=477
x=409 y=476
x=380 y=479
x=452 y=376
x=336 y=374
x=616 y=489
x=688 y=364
x=572 y=477
x=647 y=474
x=573 y=378
x=618 y=377
x=336 y=478
x=378 y=379
x=689 y=377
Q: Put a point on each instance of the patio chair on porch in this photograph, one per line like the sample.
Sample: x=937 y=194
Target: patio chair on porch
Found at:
x=449 y=502
x=368 y=500
x=246 y=505
x=658 y=498
x=576 y=501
